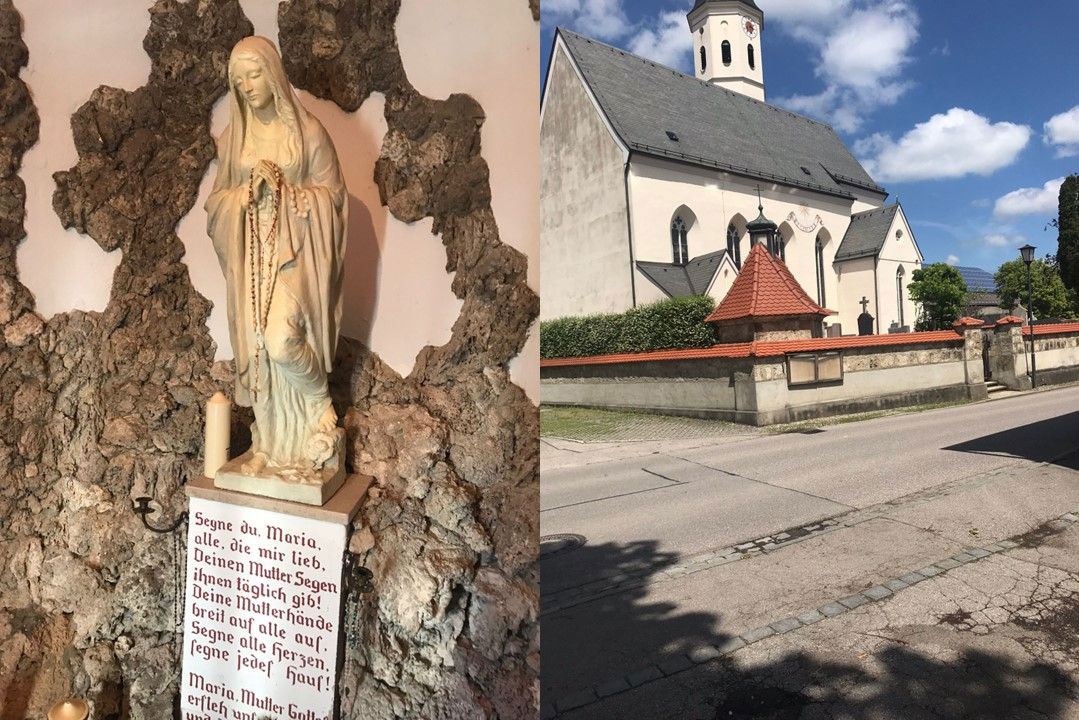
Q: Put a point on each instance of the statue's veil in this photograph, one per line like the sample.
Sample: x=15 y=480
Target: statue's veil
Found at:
x=288 y=106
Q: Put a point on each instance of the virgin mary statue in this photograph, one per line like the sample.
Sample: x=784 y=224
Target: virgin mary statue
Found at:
x=277 y=217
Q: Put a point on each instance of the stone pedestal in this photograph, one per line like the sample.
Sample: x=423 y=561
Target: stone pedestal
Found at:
x=285 y=485
x=263 y=603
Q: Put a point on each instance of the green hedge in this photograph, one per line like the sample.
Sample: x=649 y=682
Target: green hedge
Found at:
x=665 y=325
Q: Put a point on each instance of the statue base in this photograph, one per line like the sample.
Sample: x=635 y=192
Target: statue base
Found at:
x=308 y=487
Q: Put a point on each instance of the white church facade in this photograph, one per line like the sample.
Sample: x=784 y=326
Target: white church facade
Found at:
x=650 y=176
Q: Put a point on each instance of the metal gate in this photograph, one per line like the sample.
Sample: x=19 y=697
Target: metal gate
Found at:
x=987 y=339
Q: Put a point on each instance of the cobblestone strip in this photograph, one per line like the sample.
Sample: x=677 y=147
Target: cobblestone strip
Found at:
x=636 y=577
x=623 y=579
x=706 y=653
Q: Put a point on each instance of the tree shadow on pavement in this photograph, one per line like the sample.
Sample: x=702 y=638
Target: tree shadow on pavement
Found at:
x=621 y=632
x=1039 y=441
x=626 y=638
x=905 y=684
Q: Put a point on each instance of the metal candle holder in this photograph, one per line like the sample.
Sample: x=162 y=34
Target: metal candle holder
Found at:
x=143 y=509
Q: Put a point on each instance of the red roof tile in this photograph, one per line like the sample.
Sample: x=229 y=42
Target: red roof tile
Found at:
x=1010 y=320
x=764 y=288
x=1058 y=329
x=968 y=322
x=771 y=348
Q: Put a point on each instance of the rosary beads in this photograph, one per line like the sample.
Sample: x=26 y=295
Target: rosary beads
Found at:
x=262 y=288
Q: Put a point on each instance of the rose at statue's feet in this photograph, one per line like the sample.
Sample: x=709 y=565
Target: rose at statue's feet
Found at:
x=256 y=464
x=328 y=422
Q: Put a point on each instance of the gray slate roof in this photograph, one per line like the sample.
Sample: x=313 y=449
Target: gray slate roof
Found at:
x=867 y=233
x=983 y=299
x=693 y=278
x=715 y=127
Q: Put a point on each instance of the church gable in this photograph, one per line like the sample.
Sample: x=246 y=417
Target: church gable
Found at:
x=867 y=233
x=567 y=92
x=900 y=243
x=583 y=217
x=880 y=232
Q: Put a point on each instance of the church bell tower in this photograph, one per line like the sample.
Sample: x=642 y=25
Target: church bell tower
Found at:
x=727 y=45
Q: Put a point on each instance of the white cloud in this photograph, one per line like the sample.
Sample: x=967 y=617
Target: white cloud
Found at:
x=952 y=260
x=1063 y=131
x=664 y=38
x=798 y=13
x=1000 y=240
x=861 y=49
x=870 y=47
x=950 y=145
x=603 y=19
x=1030 y=201
x=668 y=44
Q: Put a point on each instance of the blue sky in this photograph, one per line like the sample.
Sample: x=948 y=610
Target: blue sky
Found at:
x=968 y=110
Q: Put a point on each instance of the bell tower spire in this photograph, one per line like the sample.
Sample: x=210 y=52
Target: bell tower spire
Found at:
x=727 y=44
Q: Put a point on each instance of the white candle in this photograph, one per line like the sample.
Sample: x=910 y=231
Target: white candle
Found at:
x=218 y=421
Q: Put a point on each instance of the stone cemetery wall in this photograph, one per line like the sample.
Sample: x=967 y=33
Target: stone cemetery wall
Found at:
x=97 y=408
x=1057 y=349
x=1056 y=346
x=749 y=383
x=683 y=386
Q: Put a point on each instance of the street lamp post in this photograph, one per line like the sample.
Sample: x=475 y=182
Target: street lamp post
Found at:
x=1027 y=252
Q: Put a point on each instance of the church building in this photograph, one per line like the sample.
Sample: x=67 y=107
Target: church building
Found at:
x=651 y=177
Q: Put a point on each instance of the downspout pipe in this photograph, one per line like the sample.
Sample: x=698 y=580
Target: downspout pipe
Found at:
x=629 y=231
x=876 y=293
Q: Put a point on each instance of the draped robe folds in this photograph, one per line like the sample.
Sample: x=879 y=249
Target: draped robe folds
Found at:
x=310 y=250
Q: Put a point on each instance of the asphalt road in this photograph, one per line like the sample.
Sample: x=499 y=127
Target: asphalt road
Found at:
x=685 y=500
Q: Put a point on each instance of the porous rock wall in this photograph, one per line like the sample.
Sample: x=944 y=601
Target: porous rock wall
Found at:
x=99 y=408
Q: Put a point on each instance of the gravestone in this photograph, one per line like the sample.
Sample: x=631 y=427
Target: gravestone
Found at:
x=263 y=603
x=865 y=320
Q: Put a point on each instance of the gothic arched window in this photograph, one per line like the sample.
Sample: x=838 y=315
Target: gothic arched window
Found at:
x=726 y=52
x=752 y=58
x=821 y=299
x=734 y=248
x=899 y=292
x=680 y=241
x=704 y=59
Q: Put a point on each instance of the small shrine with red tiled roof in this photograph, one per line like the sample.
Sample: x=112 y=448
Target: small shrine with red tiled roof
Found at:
x=767 y=303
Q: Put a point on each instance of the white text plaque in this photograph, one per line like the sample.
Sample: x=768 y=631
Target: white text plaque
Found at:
x=262 y=612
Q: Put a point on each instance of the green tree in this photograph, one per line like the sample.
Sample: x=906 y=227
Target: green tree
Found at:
x=939 y=291
x=1067 y=224
x=1051 y=298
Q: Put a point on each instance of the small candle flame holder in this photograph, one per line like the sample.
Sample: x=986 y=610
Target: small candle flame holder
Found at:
x=70 y=709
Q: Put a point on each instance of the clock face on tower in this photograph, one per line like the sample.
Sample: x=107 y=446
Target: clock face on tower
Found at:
x=750 y=28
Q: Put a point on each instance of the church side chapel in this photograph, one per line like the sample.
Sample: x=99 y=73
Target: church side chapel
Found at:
x=653 y=181
x=240 y=475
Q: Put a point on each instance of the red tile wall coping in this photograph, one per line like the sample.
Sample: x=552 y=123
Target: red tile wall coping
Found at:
x=760 y=349
x=1058 y=329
